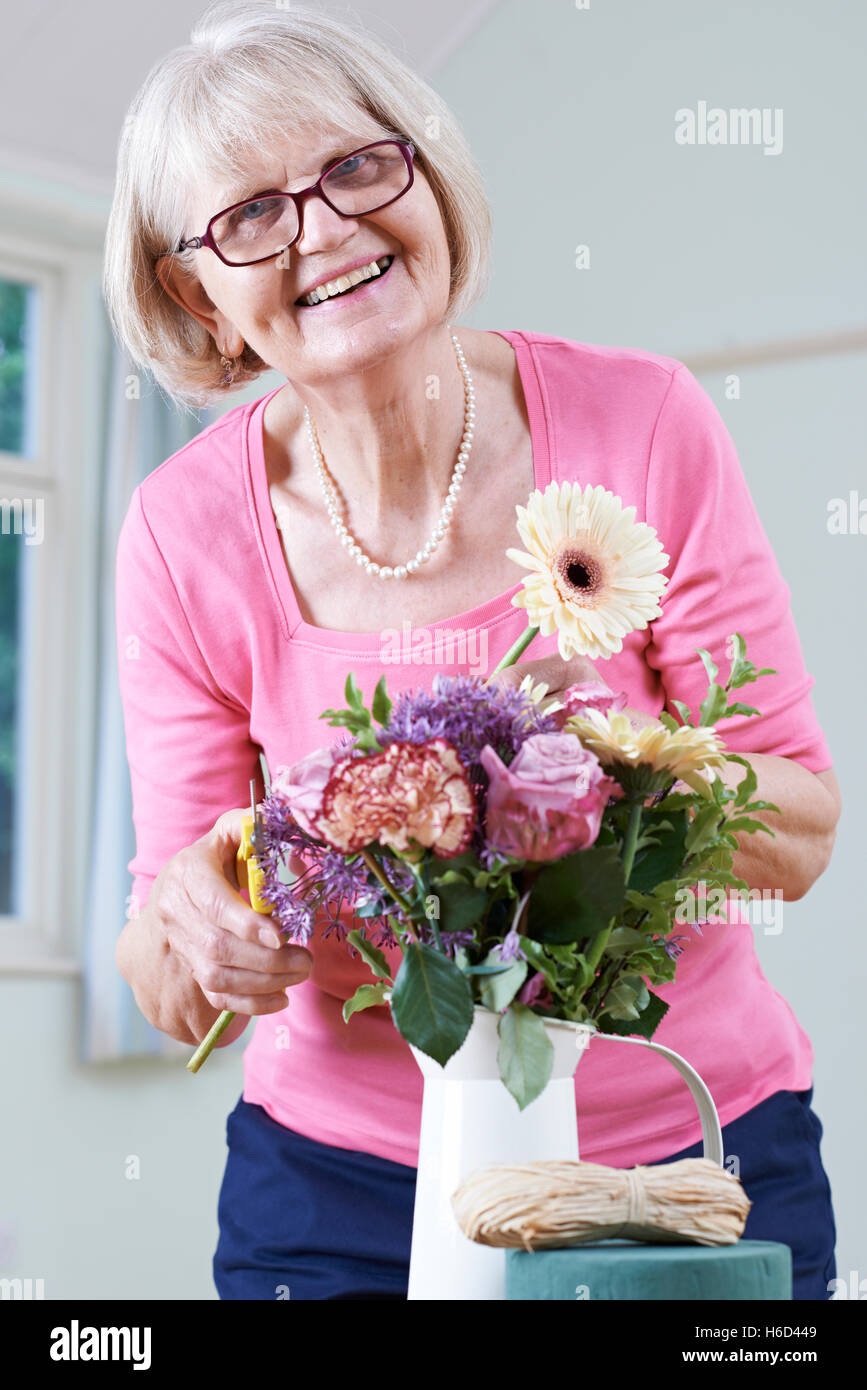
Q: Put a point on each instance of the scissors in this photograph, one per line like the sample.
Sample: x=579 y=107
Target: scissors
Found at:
x=251 y=877
x=250 y=874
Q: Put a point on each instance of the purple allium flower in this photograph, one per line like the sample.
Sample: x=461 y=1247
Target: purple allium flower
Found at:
x=672 y=948
x=470 y=715
x=509 y=948
x=489 y=858
x=384 y=937
x=451 y=940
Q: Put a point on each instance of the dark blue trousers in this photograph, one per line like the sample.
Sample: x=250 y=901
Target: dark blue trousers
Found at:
x=303 y=1220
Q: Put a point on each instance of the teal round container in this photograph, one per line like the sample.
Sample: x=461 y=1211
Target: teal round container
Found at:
x=614 y=1269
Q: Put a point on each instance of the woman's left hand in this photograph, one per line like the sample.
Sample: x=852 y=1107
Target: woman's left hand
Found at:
x=558 y=675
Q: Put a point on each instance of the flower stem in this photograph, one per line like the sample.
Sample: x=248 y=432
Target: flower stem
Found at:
x=206 y=1046
x=630 y=838
x=600 y=940
x=517 y=650
x=398 y=897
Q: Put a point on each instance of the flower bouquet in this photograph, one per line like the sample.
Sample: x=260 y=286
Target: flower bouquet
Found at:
x=526 y=854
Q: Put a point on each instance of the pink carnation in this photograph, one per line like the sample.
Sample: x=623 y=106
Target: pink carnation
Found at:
x=549 y=801
x=411 y=792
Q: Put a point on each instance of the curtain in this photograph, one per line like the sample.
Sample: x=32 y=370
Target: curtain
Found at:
x=140 y=429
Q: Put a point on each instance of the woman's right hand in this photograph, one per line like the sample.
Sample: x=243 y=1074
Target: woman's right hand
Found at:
x=236 y=956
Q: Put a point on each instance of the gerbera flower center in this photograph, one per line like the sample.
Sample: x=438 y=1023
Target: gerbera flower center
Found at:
x=579 y=575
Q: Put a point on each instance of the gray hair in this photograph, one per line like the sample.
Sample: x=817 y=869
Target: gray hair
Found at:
x=249 y=70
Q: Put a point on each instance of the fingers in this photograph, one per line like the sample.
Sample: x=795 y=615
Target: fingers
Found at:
x=251 y=1005
x=225 y=970
x=237 y=957
x=225 y=987
x=200 y=941
x=552 y=671
x=639 y=719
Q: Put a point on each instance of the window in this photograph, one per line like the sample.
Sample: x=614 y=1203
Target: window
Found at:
x=49 y=455
x=19 y=320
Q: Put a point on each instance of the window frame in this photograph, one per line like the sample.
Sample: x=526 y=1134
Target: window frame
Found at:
x=63 y=598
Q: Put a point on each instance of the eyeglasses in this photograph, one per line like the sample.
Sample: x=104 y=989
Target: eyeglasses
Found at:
x=259 y=228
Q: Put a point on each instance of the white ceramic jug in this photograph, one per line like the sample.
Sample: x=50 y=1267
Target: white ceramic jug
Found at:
x=470 y=1120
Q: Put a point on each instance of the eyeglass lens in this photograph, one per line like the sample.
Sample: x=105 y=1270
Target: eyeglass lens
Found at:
x=358 y=185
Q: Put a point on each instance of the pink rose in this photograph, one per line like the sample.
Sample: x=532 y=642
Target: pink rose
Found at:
x=535 y=991
x=585 y=695
x=548 y=801
x=302 y=783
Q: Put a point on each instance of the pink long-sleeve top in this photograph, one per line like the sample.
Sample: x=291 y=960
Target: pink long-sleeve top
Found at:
x=217 y=662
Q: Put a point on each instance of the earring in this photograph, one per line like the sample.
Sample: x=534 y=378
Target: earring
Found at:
x=228 y=365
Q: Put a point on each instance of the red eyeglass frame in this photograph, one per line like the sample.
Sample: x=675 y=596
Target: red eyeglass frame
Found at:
x=407 y=149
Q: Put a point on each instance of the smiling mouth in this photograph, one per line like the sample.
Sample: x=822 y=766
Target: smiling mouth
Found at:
x=345 y=284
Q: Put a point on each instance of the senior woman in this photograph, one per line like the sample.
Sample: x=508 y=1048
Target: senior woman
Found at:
x=290 y=196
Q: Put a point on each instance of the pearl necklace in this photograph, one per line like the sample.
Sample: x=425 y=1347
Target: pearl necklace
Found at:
x=348 y=541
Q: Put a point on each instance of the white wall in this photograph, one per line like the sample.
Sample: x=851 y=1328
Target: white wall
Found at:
x=700 y=250
x=692 y=249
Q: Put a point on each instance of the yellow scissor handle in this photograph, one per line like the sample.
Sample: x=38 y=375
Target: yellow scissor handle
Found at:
x=250 y=875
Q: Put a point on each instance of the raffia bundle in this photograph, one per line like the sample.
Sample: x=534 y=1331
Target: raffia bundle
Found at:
x=543 y=1205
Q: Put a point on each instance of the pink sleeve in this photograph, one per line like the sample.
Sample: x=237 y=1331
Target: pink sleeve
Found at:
x=188 y=747
x=723 y=578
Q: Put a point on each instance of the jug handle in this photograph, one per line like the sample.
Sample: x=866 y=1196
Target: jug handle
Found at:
x=711 y=1133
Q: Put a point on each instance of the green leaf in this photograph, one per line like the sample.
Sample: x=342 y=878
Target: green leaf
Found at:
x=370 y=954
x=458 y=866
x=624 y=940
x=352 y=719
x=365 y=997
x=747 y=784
x=738 y=708
x=644 y=1026
x=431 y=1002
x=660 y=861
x=703 y=828
x=352 y=694
x=460 y=904
x=748 y=824
x=683 y=710
x=462 y=960
x=626 y=998
x=739 y=653
x=669 y=721
x=743 y=671
x=709 y=664
x=713 y=705
x=380 y=704
x=499 y=990
x=577 y=896
x=540 y=959
x=525 y=1055
x=564 y=955
x=678 y=801
x=658 y=914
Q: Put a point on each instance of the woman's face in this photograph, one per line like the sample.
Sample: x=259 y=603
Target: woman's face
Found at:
x=259 y=303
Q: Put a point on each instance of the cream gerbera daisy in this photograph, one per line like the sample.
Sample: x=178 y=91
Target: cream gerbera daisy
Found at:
x=595 y=570
x=645 y=760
